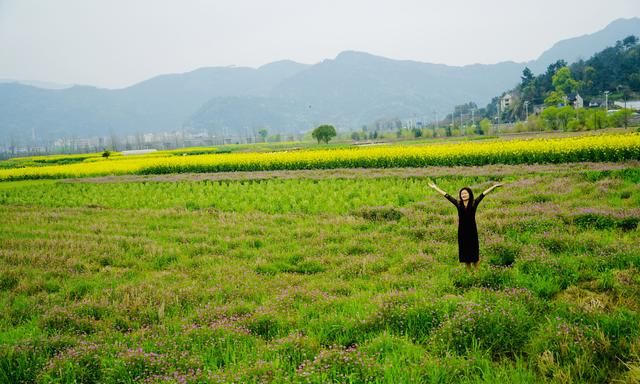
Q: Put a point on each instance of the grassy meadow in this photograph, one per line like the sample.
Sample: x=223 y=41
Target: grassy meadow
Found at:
x=320 y=276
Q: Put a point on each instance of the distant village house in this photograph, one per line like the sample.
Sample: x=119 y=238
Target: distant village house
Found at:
x=630 y=104
x=506 y=101
x=578 y=102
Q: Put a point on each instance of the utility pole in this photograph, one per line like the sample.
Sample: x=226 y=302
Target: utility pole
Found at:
x=526 y=111
x=624 y=95
x=453 y=120
x=435 y=122
x=606 y=101
x=625 y=110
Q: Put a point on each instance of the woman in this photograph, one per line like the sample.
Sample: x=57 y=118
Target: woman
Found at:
x=468 y=246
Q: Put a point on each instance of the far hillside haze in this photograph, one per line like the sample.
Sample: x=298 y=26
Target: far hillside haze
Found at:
x=353 y=89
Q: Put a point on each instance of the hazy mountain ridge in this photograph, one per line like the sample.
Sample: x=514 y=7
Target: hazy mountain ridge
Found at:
x=38 y=84
x=162 y=103
x=582 y=47
x=353 y=89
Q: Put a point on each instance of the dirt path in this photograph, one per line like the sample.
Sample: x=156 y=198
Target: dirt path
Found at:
x=343 y=173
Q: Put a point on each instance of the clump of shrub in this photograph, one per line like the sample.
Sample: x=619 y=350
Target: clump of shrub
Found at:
x=256 y=372
x=379 y=213
x=363 y=267
x=219 y=344
x=293 y=349
x=161 y=262
x=22 y=363
x=140 y=363
x=502 y=255
x=492 y=277
x=159 y=362
x=9 y=280
x=388 y=347
x=63 y=320
x=564 y=351
x=340 y=365
x=267 y=323
x=603 y=222
x=191 y=206
x=547 y=276
x=293 y=264
x=78 y=364
x=539 y=198
x=558 y=243
x=496 y=324
x=411 y=316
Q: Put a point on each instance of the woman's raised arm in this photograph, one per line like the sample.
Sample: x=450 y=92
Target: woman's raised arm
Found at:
x=491 y=188
x=486 y=192
x=434 y=186
x=443 y=193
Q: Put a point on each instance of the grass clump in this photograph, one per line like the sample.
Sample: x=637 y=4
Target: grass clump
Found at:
x=379 y=213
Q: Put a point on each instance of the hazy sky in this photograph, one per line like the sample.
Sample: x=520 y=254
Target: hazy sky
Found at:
x=115 y=43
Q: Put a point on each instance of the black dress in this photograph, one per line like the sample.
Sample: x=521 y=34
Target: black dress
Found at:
x=468 y=247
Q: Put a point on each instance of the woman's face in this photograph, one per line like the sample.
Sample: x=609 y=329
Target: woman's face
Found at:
x=464 y=195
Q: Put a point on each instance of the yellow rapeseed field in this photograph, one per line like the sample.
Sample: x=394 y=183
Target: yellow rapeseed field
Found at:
x=604 y=147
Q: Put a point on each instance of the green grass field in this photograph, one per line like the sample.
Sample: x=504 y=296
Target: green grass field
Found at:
x=344 y=276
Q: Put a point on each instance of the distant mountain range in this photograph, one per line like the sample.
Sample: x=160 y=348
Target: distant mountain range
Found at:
x=353 y=89
x=37 y=84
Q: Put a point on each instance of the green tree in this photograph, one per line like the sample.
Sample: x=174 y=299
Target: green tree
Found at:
x=527 y=77
x=324 y=133
x=447 y=131
x=535 y=123
x=550 y=117
x=582 y=115
x=563 y=84
x=544 y=83
x=596 y=118
x=619 y=118
x=565 y=114
x=355 y=136
x=485 y=125
x=106 y=153
x=563 y=81
x=263 y=133
x=555 y=98
x=528 y=85
x=629 y=41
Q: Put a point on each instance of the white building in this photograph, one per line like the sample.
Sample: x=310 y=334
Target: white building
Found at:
x=578 y=102
x=505 y=101
x=631 y=104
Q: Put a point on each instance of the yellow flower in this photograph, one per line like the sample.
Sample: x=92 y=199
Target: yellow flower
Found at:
x=602 y=147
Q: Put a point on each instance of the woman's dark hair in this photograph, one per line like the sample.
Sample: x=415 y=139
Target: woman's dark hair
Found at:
x=470 y=195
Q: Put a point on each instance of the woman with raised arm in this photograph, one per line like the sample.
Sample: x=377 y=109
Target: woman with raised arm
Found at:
x=468 y=246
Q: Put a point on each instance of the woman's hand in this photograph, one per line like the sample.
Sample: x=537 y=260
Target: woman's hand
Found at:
x=434 y=186
x=494 y=186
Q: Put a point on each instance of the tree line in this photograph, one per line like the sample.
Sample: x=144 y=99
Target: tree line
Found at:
x=615 y=70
